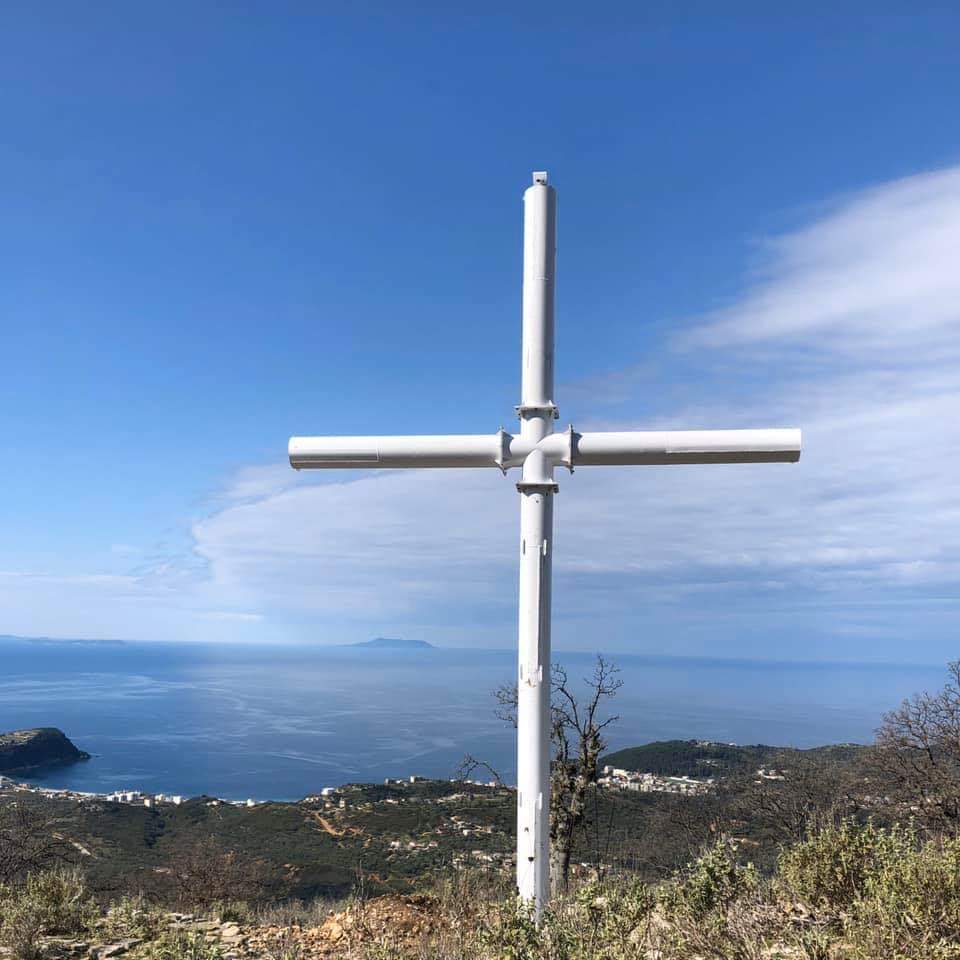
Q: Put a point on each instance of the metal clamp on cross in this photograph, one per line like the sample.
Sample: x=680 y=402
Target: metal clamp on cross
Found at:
x=537 y=451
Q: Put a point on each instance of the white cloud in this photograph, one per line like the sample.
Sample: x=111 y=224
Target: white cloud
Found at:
x=876 y=275
x=850 y=331
x=377 y=546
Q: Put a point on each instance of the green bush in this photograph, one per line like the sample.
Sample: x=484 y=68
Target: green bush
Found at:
x=714 y=908
x=63 y=902
x=711 y=883
x=52 y=902
x=830 y=870
x=603 y=921
x=21 y=928
x=611 y=918
x=892 y=896
x=510 y=933
x=910 y=907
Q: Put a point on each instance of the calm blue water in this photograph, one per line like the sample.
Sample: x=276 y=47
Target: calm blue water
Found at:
x=280 y=723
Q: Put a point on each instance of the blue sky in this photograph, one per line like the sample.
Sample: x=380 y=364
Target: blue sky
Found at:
x=224 y=225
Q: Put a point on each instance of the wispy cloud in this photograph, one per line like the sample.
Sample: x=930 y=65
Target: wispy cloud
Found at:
x=876 y=278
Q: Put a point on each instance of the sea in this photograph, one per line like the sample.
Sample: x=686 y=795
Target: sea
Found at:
x=281 y=723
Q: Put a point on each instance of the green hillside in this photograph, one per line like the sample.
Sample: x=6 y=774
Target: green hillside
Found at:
x=702 y=758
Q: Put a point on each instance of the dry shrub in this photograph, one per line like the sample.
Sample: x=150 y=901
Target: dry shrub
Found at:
x=52 y=902
x=463 y=899
x=297 y=913
x=179 y=944
x=133 y=918
x=204 y=874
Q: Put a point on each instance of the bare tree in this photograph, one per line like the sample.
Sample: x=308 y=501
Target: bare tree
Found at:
x=918 y=753
x=203 y=873
x=30 y=840
x=809 y=792
x=469 y=765
x=578 y=741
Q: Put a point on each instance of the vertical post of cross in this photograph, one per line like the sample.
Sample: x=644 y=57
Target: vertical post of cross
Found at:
x=537 y=412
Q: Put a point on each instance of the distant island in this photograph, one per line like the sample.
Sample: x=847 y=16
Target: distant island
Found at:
x=393 y=643
x=11 y=638
x=28 y=749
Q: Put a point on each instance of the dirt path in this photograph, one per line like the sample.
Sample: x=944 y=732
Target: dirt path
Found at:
x=329 y=828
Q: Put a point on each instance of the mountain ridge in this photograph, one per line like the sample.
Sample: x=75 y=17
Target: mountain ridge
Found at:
x=8 y=637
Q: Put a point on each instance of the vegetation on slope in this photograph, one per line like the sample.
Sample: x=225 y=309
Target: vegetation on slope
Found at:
x=847 y=892
x=830 y=854
x=705 y=758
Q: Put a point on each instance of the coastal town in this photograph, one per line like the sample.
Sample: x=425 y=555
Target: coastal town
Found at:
x=328 y=798
x=616 y=778
x=9 y=785
x=470 y=839
x=612 y=778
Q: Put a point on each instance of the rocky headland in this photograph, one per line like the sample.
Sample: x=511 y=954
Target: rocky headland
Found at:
x=22 y=750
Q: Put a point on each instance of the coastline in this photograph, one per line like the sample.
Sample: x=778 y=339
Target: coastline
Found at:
x=282 y=724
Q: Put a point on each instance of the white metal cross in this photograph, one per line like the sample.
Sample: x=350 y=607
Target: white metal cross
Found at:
x=537 y=450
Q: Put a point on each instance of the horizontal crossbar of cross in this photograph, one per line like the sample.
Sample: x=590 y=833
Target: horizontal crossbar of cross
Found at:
x=567 y=449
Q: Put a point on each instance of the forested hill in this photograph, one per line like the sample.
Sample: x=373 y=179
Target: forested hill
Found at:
x=705 y=758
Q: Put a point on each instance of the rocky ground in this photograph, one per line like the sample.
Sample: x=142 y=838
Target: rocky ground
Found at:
x=402 y=922
x=397 y=925
x=399 y=921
